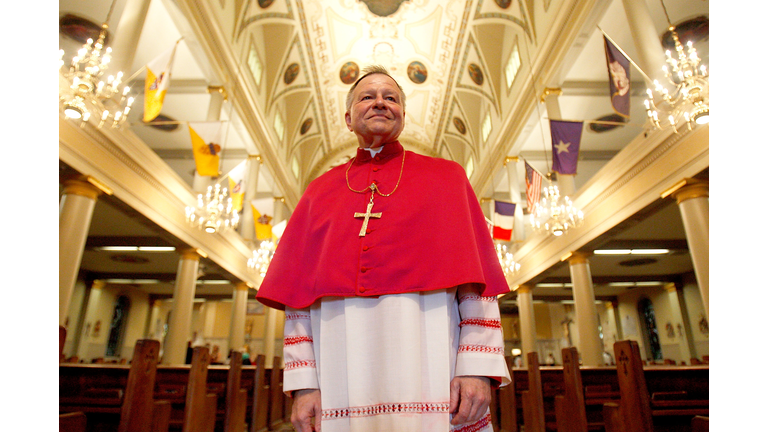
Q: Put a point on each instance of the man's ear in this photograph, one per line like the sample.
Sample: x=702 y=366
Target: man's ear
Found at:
x=348 y=120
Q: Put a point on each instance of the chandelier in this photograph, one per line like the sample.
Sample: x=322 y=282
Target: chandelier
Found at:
x=507 y=261
x=87 y=91
x=689 y=100
x=555 y=214
x=214 y=211
x=262 y=257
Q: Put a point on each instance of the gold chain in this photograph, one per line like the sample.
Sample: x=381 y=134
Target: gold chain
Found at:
x=373 y=187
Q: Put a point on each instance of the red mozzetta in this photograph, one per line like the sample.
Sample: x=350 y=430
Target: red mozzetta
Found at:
x=431 y=234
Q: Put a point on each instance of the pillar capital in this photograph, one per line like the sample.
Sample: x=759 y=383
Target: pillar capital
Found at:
x=189 y=254
x=688 y=188
x=579 y=257
x=241 y=286
x=550 y=91
x=80 y=186
x=98 y=284
x=256 y=158
x=523 y=289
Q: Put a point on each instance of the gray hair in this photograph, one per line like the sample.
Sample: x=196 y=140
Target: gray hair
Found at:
x=370 y=70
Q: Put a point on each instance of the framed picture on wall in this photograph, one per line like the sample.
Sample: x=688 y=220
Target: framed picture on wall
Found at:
x=254 y=307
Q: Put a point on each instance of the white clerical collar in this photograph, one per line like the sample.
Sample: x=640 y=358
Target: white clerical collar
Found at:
x=374 y=151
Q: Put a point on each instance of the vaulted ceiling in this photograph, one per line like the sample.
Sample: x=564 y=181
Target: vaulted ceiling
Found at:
x=285 y=67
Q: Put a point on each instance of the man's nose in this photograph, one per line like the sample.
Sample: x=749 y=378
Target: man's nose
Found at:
x=379 y=102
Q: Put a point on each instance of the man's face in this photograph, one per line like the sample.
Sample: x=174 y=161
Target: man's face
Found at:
x=376 y=113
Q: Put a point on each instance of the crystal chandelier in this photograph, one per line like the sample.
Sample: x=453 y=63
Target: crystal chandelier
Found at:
x=87 y=91
x=689 y=100
x=554 y=213
x=214 y=211
x=262 y=257
x=507 y=261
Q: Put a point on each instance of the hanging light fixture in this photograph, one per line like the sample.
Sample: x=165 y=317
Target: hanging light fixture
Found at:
x=689 y=100
x=555 y=213
x=507 y=261
x=214 y=211
x=87 y=91
x=262 y=257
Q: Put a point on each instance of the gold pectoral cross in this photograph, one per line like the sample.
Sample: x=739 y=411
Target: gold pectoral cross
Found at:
x=367 y=215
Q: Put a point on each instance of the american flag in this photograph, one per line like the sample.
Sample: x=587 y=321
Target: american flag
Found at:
x=532 y=186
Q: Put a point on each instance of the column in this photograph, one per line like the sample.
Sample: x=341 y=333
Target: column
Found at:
x=94 y=299
x=237 y=324
x=677 y=323
x=126 y=36
x=279 y=210
x=590 y=345
x=175 y=349
x=650 y=53
x=153 y=330
x=527 y=321
x=693 y=200
x=75 y=213
x=565 y=182
x=269 y=337
x=518 y=230
x=247 y=230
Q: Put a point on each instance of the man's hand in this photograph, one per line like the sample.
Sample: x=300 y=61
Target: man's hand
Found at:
x=470 y=398
x=306 y=406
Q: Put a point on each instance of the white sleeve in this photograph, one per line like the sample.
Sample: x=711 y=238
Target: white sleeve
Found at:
x=481 y=341
x=298 y=352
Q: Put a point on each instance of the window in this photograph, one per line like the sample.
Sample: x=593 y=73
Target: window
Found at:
x=487 y=128
x=255 y=64
x=279 y=126
x=295 y=167
x=117 y=327
x=513 y=65
x=470 y=167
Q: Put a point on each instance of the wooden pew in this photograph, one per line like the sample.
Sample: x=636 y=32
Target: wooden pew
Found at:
x=655 y=400
x=260 y=412
x=62 y=340
x=276 y=395
x=200 y=406
x=700 y=424
x=72 y=422
x=237 y=398
x=138 y=404
x=533 y=399
x=507 y=403
x=570 y=409
x=98 y=389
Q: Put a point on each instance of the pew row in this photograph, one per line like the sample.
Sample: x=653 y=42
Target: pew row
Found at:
x=100 y=390
x=600 y=386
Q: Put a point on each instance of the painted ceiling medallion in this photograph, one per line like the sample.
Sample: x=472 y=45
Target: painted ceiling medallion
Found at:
x=383 y=8
x=503 y=3
x=164 y=123
x=605 y=127
x=417 y=72
x=694 y=30
x=80 y=29
x=291 y=72
x=349 y=72
x=475 y=73
x=459 y=125
x=306 y=125
x=265 y=3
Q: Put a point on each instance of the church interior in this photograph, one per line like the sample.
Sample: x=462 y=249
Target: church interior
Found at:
x=262 y=84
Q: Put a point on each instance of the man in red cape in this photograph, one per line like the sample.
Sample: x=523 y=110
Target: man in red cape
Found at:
x=388 y=277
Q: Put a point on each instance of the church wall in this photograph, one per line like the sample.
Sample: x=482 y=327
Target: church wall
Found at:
x=698 y=319
x=72 y=322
